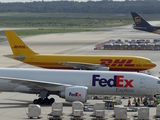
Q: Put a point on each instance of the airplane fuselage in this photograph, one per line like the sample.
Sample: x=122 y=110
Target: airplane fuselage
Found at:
x=115 y=63
x=98 y=82
x=152 y=29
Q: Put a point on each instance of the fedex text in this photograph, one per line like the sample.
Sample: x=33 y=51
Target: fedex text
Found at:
x=117 y=81
x=77 y=94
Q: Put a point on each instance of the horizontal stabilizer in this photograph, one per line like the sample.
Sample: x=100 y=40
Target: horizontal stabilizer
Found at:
x=18 y=57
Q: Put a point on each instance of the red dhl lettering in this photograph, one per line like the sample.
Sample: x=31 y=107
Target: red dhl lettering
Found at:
x=128 y=63
x=117 y=62
x=19 y=46
x=106 y=62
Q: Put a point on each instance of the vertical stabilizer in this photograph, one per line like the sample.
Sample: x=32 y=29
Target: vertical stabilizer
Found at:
x=139 y=21
x=17 y=45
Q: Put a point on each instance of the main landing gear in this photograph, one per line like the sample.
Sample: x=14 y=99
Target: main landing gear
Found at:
x=44 y=98
x=44 y=101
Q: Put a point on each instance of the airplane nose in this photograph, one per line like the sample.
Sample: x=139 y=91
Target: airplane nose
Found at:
x=154 y=65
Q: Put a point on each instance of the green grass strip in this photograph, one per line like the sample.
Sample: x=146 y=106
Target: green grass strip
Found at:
x=1 y=38
x=47 y=31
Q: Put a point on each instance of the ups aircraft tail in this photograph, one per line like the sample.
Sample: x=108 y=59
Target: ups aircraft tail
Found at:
x=139 y=21
x=17 y=45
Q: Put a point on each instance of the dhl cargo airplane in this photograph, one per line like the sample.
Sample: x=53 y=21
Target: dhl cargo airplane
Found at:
x=23 y=53
x=142 y=24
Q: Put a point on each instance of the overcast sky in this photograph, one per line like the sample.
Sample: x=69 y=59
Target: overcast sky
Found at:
x=43 y=0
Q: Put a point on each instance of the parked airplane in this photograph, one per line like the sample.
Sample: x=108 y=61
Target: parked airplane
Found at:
x=141 y=24
x=23 y=53
x=76 y=85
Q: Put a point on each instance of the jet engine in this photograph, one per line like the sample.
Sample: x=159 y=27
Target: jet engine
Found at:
x=74 y=93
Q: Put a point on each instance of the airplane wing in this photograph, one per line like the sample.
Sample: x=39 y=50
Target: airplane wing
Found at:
x=85 y=66
x=50 y=86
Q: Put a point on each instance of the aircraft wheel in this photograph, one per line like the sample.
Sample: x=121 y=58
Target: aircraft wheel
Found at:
x=46 y=101
x=51 y=100
x=40 y=101
x=95 y=97
x=35 y=101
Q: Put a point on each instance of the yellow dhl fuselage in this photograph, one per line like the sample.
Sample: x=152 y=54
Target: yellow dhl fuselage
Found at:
x=115 y=63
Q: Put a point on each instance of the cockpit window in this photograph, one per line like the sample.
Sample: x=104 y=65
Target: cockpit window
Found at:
x=148 y=61
x=158 y=82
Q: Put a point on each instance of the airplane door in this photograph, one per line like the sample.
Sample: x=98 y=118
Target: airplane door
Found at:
x=150 y=86
x=146 y=86
x=158 y=86
x=142 y=83
x=139 y=63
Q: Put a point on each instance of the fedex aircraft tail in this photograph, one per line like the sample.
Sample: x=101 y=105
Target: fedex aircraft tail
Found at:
x=139 y=21
x=17 y=45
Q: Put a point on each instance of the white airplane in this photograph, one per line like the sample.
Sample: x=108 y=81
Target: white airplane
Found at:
x=75 y=85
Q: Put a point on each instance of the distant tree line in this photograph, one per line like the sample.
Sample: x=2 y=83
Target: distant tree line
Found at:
x=105 y=6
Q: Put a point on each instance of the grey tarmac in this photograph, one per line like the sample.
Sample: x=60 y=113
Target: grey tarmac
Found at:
x=13 y=106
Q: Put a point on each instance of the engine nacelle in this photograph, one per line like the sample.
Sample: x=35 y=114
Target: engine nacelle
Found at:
x=75 y=93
